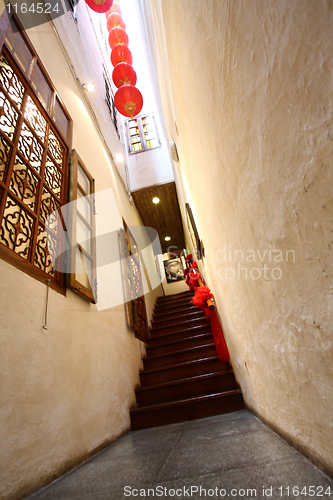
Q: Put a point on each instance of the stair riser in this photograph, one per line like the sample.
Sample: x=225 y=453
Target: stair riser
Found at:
x=182 y=344
x=173 y=311
x=179 y=327
x=173 y=319
x=163 y=339
x=188 y=411
x=189 y=389
x=180 y=357
x=180 y=372
x=174 y=304
x=183 y=295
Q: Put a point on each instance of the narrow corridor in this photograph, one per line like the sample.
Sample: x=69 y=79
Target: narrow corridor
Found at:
x=231 y=455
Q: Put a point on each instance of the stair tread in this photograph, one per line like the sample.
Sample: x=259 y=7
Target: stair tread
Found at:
x=178 y=365
x=183 y=380
x=173 y=302
x=191 y=328
x=185 y=304
x=176 y=324
x=181 y=351
x=182 y=377
x=172 y=341
x=178 y=402
x=186 y=293
x=190 y=315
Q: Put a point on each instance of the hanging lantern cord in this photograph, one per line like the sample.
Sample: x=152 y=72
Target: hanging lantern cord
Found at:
x=47 y=303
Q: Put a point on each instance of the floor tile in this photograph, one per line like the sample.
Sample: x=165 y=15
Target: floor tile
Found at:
x=227 y=456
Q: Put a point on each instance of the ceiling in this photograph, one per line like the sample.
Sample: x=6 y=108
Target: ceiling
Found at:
x=164 y=217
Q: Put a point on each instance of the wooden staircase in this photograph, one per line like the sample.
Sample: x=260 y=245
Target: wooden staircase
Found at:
x=182 y=377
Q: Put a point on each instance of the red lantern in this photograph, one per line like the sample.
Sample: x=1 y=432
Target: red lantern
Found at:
x=121 y=53
x=118 y=36
x=128 y=100
x=115 y=8
x=100 y=6
x=114 y=20
x=123 y=74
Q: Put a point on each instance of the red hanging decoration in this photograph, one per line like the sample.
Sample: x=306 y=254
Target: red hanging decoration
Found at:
x=123 y=74
x=202 y=294
x=115 y=20
x=189 y=258
x=121 y=53
x=115 y=8
x=192 y=280
x=128 y=100
x=100 y=6
x=118 y=36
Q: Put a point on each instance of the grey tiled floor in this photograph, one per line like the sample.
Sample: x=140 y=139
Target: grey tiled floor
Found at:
x=233 y=452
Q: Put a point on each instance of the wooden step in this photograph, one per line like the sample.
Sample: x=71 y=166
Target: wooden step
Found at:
x=211 y=383
x=180 y=356
x=181 y=302
x=183 y=334
x=187 y=409
x=182 y=370
x=174 y=309
x=179 y=323
x=182 y=377
x=188 y=294
x=178 y=327
x=178 y=317
x=172 y=344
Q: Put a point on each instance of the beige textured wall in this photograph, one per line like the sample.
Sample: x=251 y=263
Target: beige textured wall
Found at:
x=65 y=392
x=250 y=88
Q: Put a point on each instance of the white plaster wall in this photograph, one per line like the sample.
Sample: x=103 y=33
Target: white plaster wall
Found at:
x=249 y=85
x=65 y=391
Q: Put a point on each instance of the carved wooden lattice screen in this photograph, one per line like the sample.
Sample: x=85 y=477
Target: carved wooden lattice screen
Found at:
x=33 y=162
x=136 y=305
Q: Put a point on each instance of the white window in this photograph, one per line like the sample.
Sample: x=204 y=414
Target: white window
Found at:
x=142 y=134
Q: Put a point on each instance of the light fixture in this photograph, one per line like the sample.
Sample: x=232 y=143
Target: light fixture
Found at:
x=167 y=238
x=174 y=152
x=119 y=157
x=155 y=200
x=88 y=87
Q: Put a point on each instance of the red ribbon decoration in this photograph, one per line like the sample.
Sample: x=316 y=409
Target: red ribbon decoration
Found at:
x=189 y=258
x=193 y=280
x=202 y=294
x=221 y=345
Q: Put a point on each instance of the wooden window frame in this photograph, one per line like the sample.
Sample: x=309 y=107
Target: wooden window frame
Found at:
x=141 y=134
x=109 y=99
x=6 y=254
x=72 y=282
x=133 y=285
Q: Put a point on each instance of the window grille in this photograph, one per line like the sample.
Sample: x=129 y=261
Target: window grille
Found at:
x=110 y=102
x=34 y=136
